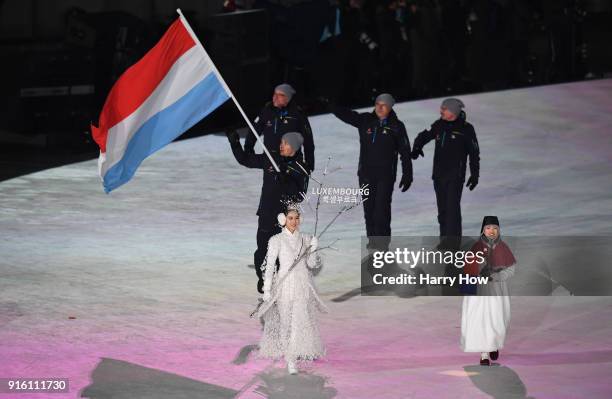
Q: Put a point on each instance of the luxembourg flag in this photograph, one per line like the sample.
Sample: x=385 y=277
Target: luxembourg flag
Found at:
x=165 y=93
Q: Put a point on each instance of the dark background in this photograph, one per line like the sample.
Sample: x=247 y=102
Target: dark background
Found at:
x=59 y=59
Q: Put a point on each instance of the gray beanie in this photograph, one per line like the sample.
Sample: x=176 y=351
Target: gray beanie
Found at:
x=294 y=139
x=286 y=89
x=454 y=105
x=385 y=98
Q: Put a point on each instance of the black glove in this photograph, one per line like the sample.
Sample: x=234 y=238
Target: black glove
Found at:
x=233 y=137
x=472 y=182
x=405 y=183
x=416 y=152
x=281 y=178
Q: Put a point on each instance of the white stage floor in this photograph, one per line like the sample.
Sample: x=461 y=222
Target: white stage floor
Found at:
x=155 y=274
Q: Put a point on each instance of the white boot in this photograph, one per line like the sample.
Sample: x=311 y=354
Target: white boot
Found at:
x=291 y=367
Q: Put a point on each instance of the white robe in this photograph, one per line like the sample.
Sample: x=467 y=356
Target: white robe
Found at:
x=485 y=318
x=290 y=326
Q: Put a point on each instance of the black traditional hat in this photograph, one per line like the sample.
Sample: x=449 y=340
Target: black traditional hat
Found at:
x=489 y=220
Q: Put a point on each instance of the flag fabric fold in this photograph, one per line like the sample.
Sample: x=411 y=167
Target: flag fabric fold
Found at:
x=170 y=89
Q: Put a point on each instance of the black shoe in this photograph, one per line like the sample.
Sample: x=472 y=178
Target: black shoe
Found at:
x=260 y=286
x=485 y=362
x=494 y=355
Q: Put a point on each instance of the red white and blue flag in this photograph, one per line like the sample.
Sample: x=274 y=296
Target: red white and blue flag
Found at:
x=165 y=93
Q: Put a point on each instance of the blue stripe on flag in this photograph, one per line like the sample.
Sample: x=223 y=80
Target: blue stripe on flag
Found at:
x=162 y=128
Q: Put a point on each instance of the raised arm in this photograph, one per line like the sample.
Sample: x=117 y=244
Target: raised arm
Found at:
x=250 y=160
x=346 y=115
x=249 y=143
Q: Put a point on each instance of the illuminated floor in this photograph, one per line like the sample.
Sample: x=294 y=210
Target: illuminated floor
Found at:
x=145 y=293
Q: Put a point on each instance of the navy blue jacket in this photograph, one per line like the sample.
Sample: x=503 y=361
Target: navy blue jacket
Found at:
x=278 y=188
x=454 y=142
x=273 y=122
x=380 y=143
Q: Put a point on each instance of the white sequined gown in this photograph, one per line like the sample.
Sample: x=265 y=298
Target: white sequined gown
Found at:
x=291 y=330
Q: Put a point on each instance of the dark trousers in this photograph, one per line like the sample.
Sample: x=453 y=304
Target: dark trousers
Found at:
x=377 y=210
x=267 y=226
x=448 y=197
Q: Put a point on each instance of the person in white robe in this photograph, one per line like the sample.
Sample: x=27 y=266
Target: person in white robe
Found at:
x=291 y=301
x=485 y=317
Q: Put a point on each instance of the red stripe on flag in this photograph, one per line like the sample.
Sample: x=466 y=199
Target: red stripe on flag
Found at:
x=138 y=81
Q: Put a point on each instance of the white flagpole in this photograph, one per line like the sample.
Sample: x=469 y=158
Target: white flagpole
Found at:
x=225 y=86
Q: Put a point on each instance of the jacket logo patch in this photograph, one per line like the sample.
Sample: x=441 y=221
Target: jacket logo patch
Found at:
x=269 y=123
x=369 y=131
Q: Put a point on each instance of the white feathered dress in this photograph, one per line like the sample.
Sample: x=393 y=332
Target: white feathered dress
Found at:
x=291 y=330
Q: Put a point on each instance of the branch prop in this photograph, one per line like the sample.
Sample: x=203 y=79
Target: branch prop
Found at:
x=319 y=196
x=307 y=251
x=344 y=209
x=325 y=173
x=305 y=199
x=308 y=173
x=293 y=265
x=326 y=166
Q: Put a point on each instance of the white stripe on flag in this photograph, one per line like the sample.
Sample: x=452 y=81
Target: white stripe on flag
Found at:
x=190 y=69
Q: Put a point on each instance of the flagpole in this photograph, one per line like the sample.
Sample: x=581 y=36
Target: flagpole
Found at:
x=226 y=87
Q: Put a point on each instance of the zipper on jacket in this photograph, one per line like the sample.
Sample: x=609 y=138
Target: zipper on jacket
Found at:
x=381 y=124
x=281 y=114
